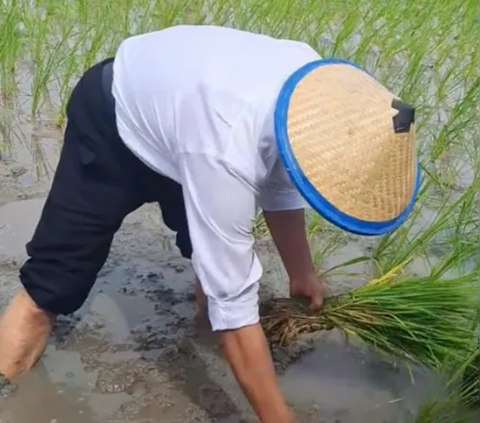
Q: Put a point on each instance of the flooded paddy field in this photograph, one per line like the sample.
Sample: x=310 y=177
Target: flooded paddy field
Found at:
x=134 y=352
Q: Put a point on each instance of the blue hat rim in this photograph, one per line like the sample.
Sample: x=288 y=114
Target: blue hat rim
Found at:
x=319 y=203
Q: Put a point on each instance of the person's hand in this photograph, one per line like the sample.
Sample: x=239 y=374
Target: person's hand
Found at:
x=312 y=288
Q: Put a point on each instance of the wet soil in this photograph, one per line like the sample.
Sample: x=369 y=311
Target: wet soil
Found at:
x=135 y=352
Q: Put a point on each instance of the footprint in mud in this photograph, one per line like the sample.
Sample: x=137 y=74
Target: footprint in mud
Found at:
x=114 y=381
x=6 y=387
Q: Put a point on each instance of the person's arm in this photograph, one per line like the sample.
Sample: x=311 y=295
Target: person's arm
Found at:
x=284 y=212
x=220 y=209
x=287 y=228
x=248 y=354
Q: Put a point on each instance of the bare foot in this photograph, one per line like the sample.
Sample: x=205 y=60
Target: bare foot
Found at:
x=24 y=333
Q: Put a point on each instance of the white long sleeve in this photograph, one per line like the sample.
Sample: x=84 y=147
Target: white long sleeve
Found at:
x=220 y=210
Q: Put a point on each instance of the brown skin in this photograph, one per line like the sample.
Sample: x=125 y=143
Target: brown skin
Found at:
x=246 y=348
x=247 y=352
x=25 y=328
x=24 y=333
x=289 y=234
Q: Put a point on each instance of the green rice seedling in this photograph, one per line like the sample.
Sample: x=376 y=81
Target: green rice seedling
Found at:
x=460 y=257
x=325 y=239
x=10 y=47
x=461 y=117
x=5 y=137
x=470 y=381
x=259 y=227
x=45 y=69
x=424 y=320
x=460 y=241
x=140 y=17
x=95 y=38
x=410 y=241
x=42 y=167
x=71 y=71
x=48 y=50
x=169 y=12
x=449 y=410
x=460 y=403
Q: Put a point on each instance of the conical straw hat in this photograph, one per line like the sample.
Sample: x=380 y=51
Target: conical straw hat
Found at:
x=348 y=145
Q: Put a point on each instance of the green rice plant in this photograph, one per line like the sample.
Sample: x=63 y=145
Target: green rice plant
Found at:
x=5 y=137
x=91 y=55
x=470 y=381
x=462 y=116
x=70 y=71
x=460 y=404
x=424 y=320
x=259 y=227
x=169 y=12
x=461 y=256
x=460 y=242
x=324 y=239
x=411 y=241
x=48 y=52
x=10 y=47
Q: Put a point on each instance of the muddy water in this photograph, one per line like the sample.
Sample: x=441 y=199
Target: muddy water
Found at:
x=134 y=353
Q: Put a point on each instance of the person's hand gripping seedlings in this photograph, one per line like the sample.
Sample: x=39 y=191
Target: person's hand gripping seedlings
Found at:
x=312 y=289
x=289 y=233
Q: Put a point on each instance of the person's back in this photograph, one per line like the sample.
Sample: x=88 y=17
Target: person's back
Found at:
x=176 y=88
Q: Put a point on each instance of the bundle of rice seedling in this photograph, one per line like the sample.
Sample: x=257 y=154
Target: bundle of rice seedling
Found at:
x=422 y=319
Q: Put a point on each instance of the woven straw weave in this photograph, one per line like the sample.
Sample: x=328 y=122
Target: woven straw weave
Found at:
x=341 y=131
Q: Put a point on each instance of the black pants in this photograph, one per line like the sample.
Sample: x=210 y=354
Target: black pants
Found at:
x=97 y=183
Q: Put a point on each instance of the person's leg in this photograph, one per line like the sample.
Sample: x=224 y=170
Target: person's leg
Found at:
x=170 y=198
x=86 y=205
x=92 y=191
x=169 y=195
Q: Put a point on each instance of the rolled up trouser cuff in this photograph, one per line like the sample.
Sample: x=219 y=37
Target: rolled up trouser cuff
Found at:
x=52 y=290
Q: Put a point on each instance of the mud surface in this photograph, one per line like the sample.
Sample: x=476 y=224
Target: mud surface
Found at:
x=134 y=352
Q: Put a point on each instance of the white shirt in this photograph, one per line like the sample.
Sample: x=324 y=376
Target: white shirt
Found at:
x=196 y=104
